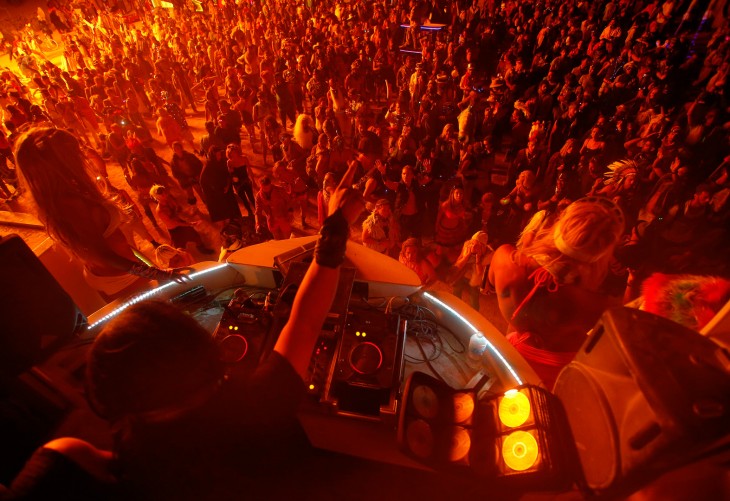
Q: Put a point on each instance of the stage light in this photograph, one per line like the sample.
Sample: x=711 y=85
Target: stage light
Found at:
x=150 y=294
x=520 y=451
x=514 y=408
x=515 y=438
x=471 y=326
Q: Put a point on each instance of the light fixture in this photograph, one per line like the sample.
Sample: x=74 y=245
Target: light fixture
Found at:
x=490 y=346
x=149 y=294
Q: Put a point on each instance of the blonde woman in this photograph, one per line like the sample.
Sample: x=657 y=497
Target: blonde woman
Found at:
x=305 y=135
x=550 y=290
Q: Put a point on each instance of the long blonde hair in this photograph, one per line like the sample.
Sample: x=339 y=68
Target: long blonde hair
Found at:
x=305 y=139
x=579 y=246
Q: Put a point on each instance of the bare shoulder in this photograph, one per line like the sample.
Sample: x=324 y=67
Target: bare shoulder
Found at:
x=504 y=261
x=504 y=268
x=503 y=254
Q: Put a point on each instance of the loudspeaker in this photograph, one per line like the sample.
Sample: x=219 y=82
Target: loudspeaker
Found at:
x=38 y=316
x=642 y=396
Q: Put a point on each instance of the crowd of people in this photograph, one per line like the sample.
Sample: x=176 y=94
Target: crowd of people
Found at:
x=461 y=117
x=559 y=152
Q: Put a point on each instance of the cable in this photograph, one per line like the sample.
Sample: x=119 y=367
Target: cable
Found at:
x=422 y=328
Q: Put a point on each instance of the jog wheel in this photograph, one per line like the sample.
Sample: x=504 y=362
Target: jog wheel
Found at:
x=233 y=348
x=366 y=358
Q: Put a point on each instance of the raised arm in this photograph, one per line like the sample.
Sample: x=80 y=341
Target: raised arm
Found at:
x=314 y=298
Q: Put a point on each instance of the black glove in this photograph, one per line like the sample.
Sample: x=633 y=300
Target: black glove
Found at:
x=330 y=248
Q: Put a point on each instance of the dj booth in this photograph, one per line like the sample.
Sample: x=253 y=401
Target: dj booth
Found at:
x=389 y=379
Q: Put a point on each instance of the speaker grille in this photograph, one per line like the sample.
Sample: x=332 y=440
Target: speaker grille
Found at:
x=591 y=421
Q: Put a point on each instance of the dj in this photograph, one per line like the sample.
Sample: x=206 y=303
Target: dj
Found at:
x=183 y=429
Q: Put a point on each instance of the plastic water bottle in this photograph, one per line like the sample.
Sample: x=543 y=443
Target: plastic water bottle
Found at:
x=477 y=346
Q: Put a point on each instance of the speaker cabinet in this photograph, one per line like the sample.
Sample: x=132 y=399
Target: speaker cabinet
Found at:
x=642 y=396
x=38 y=316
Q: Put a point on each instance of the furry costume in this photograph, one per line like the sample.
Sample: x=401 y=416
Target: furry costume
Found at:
x=689 y=300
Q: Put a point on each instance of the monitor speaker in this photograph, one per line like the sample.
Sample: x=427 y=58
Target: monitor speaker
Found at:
x=38 y=316
x=642 y=396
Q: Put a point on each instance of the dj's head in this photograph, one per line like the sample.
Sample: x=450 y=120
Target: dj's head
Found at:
x=152 y=362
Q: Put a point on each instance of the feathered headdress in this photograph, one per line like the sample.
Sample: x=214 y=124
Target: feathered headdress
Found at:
x=620 y=170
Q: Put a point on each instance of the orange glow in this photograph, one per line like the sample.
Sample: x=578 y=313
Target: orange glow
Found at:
x=460 y=444
x=520 y=450
x=463 y=407
x=514 y=409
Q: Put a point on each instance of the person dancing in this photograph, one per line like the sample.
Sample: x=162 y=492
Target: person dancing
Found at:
x=550 y=291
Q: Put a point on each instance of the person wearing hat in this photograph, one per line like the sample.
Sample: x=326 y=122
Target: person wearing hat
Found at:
x=231 y=241
x=316 y=86
x=417 y=86
x=497 y=87
x=380 y=229
x=355 y=79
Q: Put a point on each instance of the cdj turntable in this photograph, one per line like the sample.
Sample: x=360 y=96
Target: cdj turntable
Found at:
x=365 y=377
x=356 y=368
x=243 y=331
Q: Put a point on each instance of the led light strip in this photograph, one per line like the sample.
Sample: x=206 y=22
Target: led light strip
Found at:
x=149 y=294
x=489 y=344
x=423 y=27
